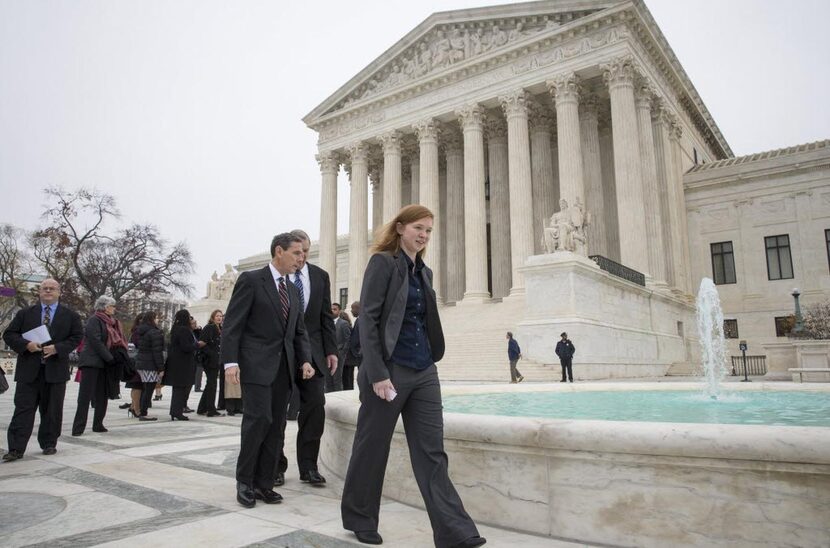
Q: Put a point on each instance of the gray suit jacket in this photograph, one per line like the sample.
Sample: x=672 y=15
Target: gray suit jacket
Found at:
x=382 y=306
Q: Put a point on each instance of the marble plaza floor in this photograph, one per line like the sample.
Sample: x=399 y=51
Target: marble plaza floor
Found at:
x=172 y=484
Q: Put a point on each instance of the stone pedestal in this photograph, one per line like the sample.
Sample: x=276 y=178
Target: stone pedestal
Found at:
x=781 y=356
x=568 y=292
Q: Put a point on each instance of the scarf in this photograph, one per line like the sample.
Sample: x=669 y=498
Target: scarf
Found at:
x=115 y=336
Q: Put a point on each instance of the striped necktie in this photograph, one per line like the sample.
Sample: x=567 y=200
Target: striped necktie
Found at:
x=284 y=299
x=298 y=281
x=47 y=316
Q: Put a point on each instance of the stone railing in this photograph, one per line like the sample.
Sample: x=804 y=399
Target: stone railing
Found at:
x=618 y=270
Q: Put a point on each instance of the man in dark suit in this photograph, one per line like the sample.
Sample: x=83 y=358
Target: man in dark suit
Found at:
x=265 y=346
x=42 y=371
x=353 y=354
x=342 y=333
x=314 y=288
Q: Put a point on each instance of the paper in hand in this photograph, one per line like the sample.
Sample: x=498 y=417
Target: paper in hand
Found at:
x=390 y=394
x=39 y=335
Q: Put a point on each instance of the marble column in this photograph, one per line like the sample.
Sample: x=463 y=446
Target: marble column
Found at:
x=472 y=118
x=521 y=192
x=651 y=192
x=499 y=205
x=541 y=123
x=429 y=191
x=609 y=186
x=592 y=171
x=415 y=173
x=392 y=183
x=454 y=235
x=565 y=90
x=679 y=205
x=406 y=183
x=329 y=167
x=619 y=75
x=376 y=180
x=358 y=218
x=661 y=128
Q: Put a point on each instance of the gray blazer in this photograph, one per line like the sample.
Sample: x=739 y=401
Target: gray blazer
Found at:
x=382 y=306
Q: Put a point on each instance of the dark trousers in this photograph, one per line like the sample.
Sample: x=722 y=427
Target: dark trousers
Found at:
x=348 y=377
x=197 y=382
x=45 y=397
x=207 y=403
x=147 y=389
x=220 y=404
x=514 y=372
x=334 y=383
x=179 y=400
x=310 y=423
x=93 y=388
x=261 y=436
x=419 y=402
x=566 y=368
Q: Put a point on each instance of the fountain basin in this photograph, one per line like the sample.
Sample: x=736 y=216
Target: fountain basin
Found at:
x=621 y=483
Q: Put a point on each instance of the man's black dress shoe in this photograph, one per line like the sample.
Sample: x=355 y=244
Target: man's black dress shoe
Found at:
x=99 y=429
x=279 y=479
x=50 y=451
x=215 y=414
x=125 y=405
x=245 y=495
x=313 y=477
x=187 y=410
x=471 y=542
x=369 y=537
x=268 y=496
x=12 y=455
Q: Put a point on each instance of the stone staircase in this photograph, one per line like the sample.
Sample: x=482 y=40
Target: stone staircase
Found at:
x=477 y=348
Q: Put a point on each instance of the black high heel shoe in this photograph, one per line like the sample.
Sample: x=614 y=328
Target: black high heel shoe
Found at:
x=131 y=413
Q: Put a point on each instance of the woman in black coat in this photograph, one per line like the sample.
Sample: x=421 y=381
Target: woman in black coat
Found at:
x=102 y=336
x=181 y=363
x=401 y=339
x=149 y=362
x=211 y=336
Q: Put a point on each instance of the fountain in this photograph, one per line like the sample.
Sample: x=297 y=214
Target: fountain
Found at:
x=712 y=340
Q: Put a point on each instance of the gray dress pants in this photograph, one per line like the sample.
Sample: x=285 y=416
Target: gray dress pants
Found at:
x=419 y=403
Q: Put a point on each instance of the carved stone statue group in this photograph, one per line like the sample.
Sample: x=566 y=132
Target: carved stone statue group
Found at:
x=566 y=229
x=219 y=288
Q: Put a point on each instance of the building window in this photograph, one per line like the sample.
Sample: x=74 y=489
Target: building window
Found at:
x=723 y=263
x=344 y=298
x=783 y=325
x=730 y=329
x=827 y=241
x=779 y=260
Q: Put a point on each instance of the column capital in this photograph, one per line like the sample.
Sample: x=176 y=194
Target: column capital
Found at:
x=472 y=116
x=540 y=118
x=329 y=162
x=589 y=106
x=514 y=103
x=496 y=128
x=676 y=131
x=644 y=94
x=427 y=130
x=451 y=141
x=661 y=113
x=565 y=88
x=391 y=142
x=619 y=71
x=358 y=152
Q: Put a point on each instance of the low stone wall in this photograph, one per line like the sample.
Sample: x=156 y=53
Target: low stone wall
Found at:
x=621 y=483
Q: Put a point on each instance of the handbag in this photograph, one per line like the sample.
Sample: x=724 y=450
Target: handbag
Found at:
x=4 y=384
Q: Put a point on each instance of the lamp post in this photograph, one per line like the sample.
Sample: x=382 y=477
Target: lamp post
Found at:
x=743 y=348
x=798 y=328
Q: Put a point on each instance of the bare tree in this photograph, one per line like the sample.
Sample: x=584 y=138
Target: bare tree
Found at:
x=78 y=248
x=15 y=271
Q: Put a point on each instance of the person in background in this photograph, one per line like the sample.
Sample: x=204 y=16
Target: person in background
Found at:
x=342 y=334
x=401 y=339
x=149 y=362
x=353 y=354
x=134 y=384
x=514 y=354
x=211 y=336
x=181 y=363
x=104 y=346
x=565 y=350
x=197 y=332
x=42 y=370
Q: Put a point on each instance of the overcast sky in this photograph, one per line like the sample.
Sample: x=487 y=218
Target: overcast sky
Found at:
x=189 y=111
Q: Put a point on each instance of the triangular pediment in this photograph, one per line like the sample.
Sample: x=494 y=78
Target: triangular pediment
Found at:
x=451 y=38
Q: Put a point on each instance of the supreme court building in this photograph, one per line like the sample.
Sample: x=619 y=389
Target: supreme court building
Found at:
x=491 y=116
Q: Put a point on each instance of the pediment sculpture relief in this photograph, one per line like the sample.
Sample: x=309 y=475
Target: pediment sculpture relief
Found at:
x=447 y=45
x=566 y=229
